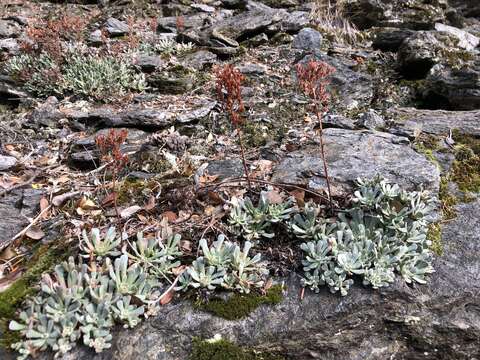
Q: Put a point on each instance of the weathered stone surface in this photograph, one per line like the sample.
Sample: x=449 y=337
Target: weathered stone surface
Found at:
x=418 y=53
x=415 y=14
x=454 y=89
x=140 y=117
x=95 y=38
x=353 y=154
x=169 y=24
x=307 y=39
x=199 y=60
x=116 y=27
x=15 y=209
x=410 y=122
x=390 y=39
x=8 y=91
x=149 y=63
x=7 y=162
x=371 y=120
x=225 y=168
x=84 y=153
x=246 y=24
x=466 y=40
x=9 y=29
x=9 y=46
x=45 y=114
x=437 y=321
x=295 y=21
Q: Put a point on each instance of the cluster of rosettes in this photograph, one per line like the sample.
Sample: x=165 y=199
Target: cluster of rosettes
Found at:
x=82 y=72
x=226 y=266
x=383 y=233
x=123 y=283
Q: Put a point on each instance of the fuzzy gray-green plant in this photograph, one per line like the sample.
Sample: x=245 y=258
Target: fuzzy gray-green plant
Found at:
x=382 y=234
x=79 y=72
x=224 y=265
x=80 y=302
x=256 y=222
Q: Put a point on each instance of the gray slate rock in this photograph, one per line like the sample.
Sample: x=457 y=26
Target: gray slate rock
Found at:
x=466 y=40
x=418 y=53
x=84 y=153
x=116 y=27
x=199 y=60
x=454 y=89
x=371 y=120
x=149 y=63
x=139 y=117
x=95 y=38
x=353 y=154
x=307 y=39
x=414 y=14
x=244 y=25
x=436 y=321
x=9 y=46
x=9 y=29
x=7 y=162
x=390 y=39
x=411 y=122
x=15 y=209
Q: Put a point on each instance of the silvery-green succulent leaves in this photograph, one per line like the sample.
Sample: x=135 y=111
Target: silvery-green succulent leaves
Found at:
x=256 y=222
x=224 y=265
x=98 y=246
x=127 y=313
x=220 y=254
x=308 y=225
x=127 y=279
x=203 y=275
x=384 y=232
x=83 y=302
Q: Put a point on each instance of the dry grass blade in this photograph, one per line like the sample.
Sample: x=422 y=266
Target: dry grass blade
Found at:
x=329 y=17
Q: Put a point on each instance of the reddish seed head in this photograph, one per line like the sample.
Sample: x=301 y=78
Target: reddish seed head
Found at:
x=110 y=148
x=229 y=90
x=313 y=79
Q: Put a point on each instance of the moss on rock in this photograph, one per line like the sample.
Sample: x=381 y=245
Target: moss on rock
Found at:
x=435 y=236
x=466 y=167
x=226 y=350
x=241 y=305
x=45 y=258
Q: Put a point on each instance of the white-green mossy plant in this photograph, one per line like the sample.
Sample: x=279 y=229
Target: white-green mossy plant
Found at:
x=123 y=283
x=256 y=222
x=166 y=46
x=383 y=233
x=224 y=265
x=80 y=302
x=79 y=72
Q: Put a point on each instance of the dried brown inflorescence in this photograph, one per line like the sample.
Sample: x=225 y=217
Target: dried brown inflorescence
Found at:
x=47 y=36
x=229 y=91
x=313 y=80
x=111 y=154
x=110 y=148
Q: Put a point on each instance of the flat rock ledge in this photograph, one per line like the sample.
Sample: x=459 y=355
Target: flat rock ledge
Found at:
x=439 y=320
x=353 y=154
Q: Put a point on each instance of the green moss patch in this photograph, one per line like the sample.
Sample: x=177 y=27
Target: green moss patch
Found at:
x=225 y=350
x=426 y=145
x=466 y=168
x=448 y=200
x=435 y=236
x=241 y=305
x=46 y=257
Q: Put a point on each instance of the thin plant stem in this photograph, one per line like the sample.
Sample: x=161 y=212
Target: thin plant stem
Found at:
x=322 y=153
x=244 y=160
